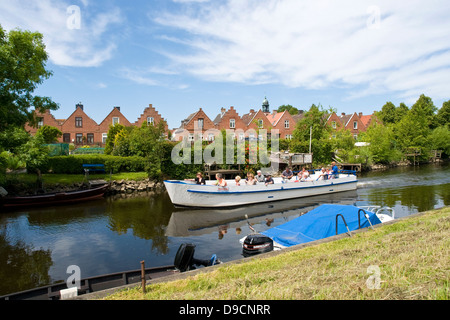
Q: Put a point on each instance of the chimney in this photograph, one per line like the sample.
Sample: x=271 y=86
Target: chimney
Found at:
x=360 y=114
x=222 y=110
x=343 y=113
x=117 y=107
x=79 y=105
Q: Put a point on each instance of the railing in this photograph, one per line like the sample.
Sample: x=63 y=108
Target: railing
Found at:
x=343 y=219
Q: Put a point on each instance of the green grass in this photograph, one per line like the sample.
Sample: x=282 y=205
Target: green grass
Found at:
x=412 y=256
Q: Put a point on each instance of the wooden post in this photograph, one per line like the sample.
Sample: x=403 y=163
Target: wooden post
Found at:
x=143 y=276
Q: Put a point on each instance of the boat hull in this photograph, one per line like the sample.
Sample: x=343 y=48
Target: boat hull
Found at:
x=54 y=199
x=210 y=196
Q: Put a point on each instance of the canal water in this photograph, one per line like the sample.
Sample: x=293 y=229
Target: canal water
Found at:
x=115 y=234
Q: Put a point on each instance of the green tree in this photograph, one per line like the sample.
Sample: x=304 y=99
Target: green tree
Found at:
x=35 y=154
x=49 y=134
x=443 y=114
x=382 y=147
x=292 y=110
x=12 y=138
x=22 y=68
x=388 y=113
x=321 y=147
x=439 y=139
x=424 y=107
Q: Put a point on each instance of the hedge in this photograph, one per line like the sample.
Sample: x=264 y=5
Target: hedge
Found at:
x=74 y=164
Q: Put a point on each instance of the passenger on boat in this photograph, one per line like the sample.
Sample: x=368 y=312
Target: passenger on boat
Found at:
x=323 y=175
x=269 y=180
x=250 y=179
x=287 y=174
x=199 y=179
x=220 y=180
x=259 y=176
x=334 y=171
x=304 y=174
x=238 y=180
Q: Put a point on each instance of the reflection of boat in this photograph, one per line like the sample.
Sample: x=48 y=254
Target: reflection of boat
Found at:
x=190 y=222
x=188 y=194
x=54 y=198
x=322 y=222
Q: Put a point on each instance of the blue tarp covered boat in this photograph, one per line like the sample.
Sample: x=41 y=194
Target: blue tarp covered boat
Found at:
x=322 y=222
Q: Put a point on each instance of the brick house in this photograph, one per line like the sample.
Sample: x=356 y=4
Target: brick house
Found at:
x=79 y=128
x=151 y=117
x=45 y=118
x=230 y=120
x=114 y=117
x=283 y=122
x=197 y=122
x=256 y=120
x=355 y=123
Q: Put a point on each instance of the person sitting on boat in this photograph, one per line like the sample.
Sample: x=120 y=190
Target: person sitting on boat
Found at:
x=220 y=180
x=269 y=180
x=199 y=179
x=323 y=175
x=334 y=171
x=259 y=176
x=304 y=174
x=238 y=180
x=287 y=174
x=250 y=179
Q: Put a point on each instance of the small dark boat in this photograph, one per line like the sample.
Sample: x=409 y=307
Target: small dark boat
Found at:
x=93 y=284
x=54 y=198
x=184 y=261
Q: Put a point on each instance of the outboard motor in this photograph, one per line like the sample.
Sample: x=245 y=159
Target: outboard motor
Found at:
x=184 y=259
x=255 y=244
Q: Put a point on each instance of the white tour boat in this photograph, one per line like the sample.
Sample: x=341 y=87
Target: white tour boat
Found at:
x=189 y=194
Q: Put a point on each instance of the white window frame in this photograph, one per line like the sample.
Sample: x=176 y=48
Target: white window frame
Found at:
x=232 y=123
x=150 y=120
x=115 y=120
x=286 y=124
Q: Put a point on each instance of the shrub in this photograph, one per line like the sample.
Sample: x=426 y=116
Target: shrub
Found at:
x=74 y=164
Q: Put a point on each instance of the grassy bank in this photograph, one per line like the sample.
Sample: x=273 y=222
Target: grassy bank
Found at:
x=412 y=256
x=16 y=182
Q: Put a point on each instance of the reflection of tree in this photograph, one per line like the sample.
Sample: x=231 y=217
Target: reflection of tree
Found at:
x=419 y=197
x=29 y=267
x=147 y=216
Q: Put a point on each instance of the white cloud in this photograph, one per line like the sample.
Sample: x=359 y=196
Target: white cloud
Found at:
x=73 y=38
x=318 y=44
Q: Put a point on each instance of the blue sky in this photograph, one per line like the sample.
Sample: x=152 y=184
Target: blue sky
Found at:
x=181 y=55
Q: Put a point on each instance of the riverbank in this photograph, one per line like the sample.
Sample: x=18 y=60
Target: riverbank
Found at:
x=23 y=184
x=406 y=259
